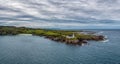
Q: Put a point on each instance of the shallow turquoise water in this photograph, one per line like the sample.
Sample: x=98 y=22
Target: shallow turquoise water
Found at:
x=22 y=49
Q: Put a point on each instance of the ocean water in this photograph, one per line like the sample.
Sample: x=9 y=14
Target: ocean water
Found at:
x=27 y=49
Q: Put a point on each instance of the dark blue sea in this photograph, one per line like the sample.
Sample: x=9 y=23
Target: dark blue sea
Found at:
x=27 y=49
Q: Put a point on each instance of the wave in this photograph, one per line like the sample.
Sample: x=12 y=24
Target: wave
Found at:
x=98 y=33
x=107 y=40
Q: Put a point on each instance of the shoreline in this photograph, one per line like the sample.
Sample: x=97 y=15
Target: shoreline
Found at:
x=64 y=36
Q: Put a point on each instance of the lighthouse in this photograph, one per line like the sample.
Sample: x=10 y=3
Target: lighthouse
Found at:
x=71 y=36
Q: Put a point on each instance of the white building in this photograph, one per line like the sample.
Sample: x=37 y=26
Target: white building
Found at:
x=71 y=36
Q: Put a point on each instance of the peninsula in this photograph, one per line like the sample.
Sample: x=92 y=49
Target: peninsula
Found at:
x=64 y=36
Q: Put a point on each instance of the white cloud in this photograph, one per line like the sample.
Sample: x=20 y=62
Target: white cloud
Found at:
x=36 y=12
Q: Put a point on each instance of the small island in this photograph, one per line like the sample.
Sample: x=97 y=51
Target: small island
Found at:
x=64 y=36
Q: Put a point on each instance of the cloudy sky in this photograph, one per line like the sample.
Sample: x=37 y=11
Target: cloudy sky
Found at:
x=74 y=14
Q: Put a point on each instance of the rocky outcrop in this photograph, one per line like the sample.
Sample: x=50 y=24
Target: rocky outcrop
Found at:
x=75 y=41
x=98 y=38
x=67 y=41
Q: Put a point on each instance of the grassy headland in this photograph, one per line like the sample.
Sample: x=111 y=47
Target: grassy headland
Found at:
x=69 y=37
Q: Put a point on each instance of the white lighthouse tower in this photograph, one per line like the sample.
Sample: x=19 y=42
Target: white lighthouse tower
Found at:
x=71 y=36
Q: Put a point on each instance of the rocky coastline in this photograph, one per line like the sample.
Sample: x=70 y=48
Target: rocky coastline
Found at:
x=64 y=36
x=76 y=41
